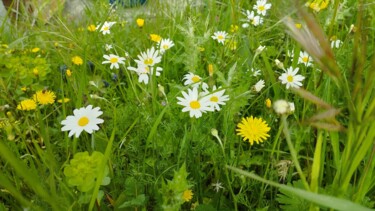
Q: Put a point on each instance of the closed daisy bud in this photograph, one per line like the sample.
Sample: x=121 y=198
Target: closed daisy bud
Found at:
x=279 y=64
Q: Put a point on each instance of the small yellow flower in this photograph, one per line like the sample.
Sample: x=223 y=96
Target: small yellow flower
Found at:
x=27 y=105
x=140 y=22
x=233 y=28
x=44 y=97
x=68 y=72
x=298 y=25
x=253 y=129
x=24 y=88
x=232 y=45
x=268 y=103
x=187 y=195
x=91 y=28
x=77 y=60
x=155 y=37
x=36 y=71
x=34 y=50
x=65 y=100
x=318 y=5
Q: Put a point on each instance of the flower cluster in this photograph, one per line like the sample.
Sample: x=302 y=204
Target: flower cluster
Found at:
x=200 y=102
x=83 y=170
x=255 y=17
x=147 y=61
x=41 y=97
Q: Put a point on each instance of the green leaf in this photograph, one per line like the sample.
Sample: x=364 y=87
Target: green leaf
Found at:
x=140 y=200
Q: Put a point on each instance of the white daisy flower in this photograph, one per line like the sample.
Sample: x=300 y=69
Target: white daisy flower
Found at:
x=245 y=25
x=261 y=7
x=114 y=60
x=105 y=28
x=291 y=79
x=220 y=36
x=304 y=58
x=217 y=186
x=194 y=80
x=217 y=98
x=192 y=103
x=84 y=119
x=108 y=47
x=336 y=43
x=144 y=71
x=254 y=19
x=149 y=58
x=259 y=86
x=255 y=72
x=165 y=44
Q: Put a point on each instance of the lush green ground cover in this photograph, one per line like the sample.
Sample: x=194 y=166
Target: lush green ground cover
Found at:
x=230 y=105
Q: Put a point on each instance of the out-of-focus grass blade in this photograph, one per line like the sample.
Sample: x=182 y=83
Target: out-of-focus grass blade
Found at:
x=319 y=199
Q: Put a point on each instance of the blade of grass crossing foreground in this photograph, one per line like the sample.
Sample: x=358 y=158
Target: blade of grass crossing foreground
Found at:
x=319 y=199
x=30 y=178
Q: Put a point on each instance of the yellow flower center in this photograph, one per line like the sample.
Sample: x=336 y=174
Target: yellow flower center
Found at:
x=106 y=28
x=113 y=60
x=149 y=61
x=289 y=78
x=195 y=104
x=220 y=37
x=83 y=121
x=195 y=79
x=261 y=8
x=214 y=99
x=165 y=47
x=305 y=59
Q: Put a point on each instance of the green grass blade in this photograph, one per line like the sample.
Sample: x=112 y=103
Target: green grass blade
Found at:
x=319 y=199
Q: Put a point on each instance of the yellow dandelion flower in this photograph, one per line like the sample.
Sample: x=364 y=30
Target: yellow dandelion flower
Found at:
x=34 y=50
x=253 y=129
x=64 y=100
x=91 y=28
x=44 y=97
x=140 y=22
x=27 y=105
x=77 y=60
x=155 y=37
x=187 y=195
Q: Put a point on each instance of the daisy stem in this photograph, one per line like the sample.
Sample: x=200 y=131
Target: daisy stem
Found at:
x=293 y=152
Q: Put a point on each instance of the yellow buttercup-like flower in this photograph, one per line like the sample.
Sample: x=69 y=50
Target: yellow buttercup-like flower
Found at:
x=187 y=195
x=27 y=105
x=44 y=97
x=253 y=129
x=155 y=37
x=140 y=22
x=77 y=60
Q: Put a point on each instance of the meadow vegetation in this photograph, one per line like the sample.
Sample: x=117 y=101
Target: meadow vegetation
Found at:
x=225 y=105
